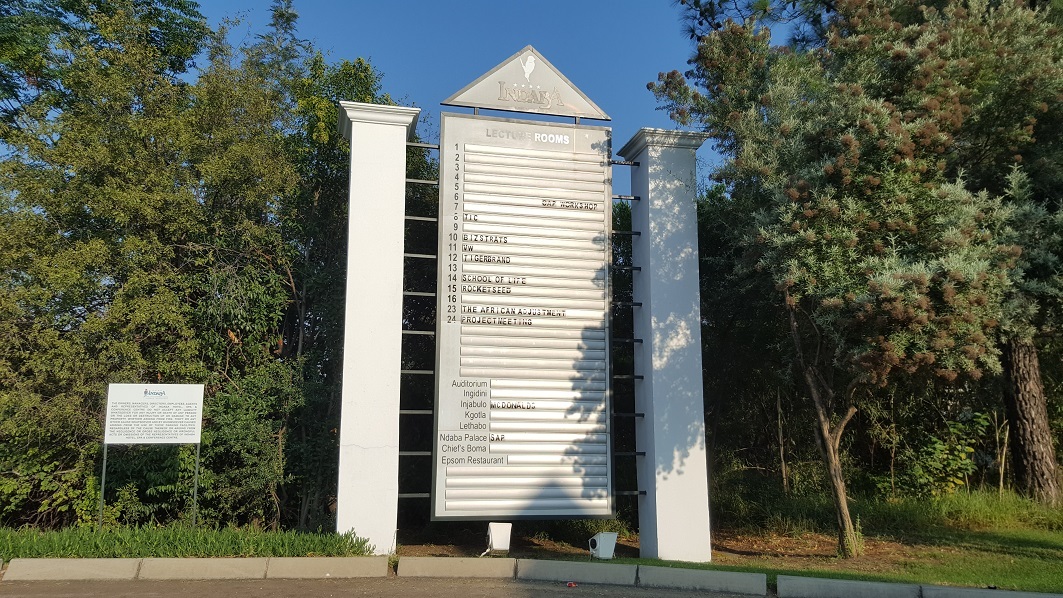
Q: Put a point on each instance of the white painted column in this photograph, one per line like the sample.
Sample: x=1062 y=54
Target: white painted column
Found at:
x=674 y=513
x=368 y=495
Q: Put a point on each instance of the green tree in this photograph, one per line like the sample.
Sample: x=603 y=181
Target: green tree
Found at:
x=1034 y=309
x=243 y=289
x=33 y=33
x=987 y=79
x=987 y=76
x=98 y=211
x=882 y=267
x=141 y=213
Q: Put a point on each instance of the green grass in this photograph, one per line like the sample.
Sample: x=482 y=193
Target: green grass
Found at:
x=1019 y=561
x=975 y=539
x=174 y=541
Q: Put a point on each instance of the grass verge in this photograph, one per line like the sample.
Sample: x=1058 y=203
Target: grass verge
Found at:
x=972 y=539
x=174 y=541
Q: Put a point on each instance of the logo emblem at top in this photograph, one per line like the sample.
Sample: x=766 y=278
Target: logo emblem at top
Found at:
x=528 y=64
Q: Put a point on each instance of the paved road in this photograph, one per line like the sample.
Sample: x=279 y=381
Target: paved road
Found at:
x=390 y=587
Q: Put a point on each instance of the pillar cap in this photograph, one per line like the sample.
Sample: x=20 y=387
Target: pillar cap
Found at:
x=352 y=112
x=647 y=137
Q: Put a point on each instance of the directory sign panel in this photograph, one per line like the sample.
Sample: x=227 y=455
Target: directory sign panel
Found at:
x=522 y=406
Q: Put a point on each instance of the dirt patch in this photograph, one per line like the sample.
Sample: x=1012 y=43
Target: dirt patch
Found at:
x=520 y=547
x=730 y=547
x=809 y=551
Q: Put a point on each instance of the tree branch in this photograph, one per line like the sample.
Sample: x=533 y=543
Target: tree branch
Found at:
x=836 y=435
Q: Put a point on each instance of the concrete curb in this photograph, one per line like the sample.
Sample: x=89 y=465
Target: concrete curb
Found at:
x=326 y=567
x=456 y=567
x=617 y=575
x=789 y=586
x=703 y=579
x=71 y=569
x=206 y=568
x=814 y=587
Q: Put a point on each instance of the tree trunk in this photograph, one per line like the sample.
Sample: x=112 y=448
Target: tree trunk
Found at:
x=849 y=544
x=782 y=444
x=1033 y=456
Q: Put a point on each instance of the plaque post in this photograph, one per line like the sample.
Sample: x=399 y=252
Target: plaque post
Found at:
x=367 y=497
x=674 y=512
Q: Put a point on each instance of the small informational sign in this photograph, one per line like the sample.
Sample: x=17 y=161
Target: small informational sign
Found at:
x=522 y=413
x=154 y=414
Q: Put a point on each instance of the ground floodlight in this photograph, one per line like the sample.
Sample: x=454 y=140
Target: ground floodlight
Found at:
x=498 y=537
x=602 y=545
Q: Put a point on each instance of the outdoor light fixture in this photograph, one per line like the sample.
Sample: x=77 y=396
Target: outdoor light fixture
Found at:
x=602 y=545
x=498 y=537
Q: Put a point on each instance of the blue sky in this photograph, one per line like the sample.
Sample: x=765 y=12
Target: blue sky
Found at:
x=429 y=50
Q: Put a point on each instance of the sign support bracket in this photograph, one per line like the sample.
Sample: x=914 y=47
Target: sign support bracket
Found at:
x=195 y=488
x=103 y=486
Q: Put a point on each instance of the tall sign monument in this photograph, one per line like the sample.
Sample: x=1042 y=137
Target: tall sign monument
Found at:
x=522 y=417
x=523 y=424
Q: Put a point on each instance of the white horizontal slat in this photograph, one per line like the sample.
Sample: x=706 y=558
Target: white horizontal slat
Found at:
x=529 y=352
x=550 y=364
x=493 y=290
x=559 y=165
x=525 y=383
x=508 y=323
x=553 y=224
x=522 y=280
x=488 y=307
x=542 y=508
x=568 y=158
x=542 y=415
x=540 y=211
x=543 y=343
x=589 y=334
x=526 y=493
x=591 y=427
x=546 y=471
x=526 y=482
x=539 y=393
x=520 y=180
x=521 y=300
x=597 y=175
x=595 y=253
x=544 y=272
x=545 y=405
x=541 y=192
x=533 y=231
x=578 y=438
x=503 y=257
x=574 y=460
x=536 y=202
x=479 y=239
x=542 y=449
x=568 y=375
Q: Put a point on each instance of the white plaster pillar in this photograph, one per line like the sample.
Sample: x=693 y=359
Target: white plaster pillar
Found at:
x=368 y=494
x=674 y=513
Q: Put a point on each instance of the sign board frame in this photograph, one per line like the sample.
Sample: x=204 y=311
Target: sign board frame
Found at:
x=547 y=187
x=133 y=426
